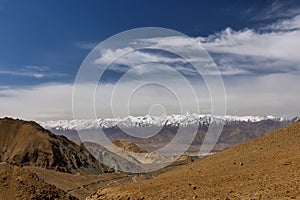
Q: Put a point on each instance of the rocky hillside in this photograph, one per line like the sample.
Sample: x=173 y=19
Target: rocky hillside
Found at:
x=264 y=168
x=25 y=143
x=19 y=183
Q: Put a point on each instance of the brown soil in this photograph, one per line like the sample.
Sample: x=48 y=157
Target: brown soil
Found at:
x=78 y=185
x=19 y=183
x=265 y=168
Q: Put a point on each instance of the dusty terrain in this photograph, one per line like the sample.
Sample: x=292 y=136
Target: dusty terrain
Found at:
x=19 y=183
x=265 y=168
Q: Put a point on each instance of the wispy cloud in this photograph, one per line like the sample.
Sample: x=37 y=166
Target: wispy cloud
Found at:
x=86 y=45
x=271 y=49
x=274 y=45
x=285 y=24
x=279 y=9
x=22 y=73
x=128 y=58
x=38 y=68
x=37 y=72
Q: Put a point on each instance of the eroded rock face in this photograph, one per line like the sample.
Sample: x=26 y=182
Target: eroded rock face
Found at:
x=24 y=143
x=117 y=162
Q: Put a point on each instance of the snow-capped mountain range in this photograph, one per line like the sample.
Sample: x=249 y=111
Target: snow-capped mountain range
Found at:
x=148 y=121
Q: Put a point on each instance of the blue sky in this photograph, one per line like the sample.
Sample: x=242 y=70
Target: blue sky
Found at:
x=43 y=44
x=55 y=34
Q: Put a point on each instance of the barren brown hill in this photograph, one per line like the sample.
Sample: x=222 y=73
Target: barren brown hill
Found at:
x=26 y=143
x=19 y=183
x=265 y=168
x=128 y=146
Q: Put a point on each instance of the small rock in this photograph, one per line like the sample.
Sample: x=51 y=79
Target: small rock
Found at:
x=287 y=163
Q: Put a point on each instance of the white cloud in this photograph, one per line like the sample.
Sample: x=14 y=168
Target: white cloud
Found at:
x=133 y=58
x=54 y=101
x=271 y=49
x=37 y=102
x=170 y=51
x=276 y=94
x=283 y=45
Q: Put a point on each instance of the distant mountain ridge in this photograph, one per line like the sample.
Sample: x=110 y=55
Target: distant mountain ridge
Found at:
x=148 y=121
x=236 y=130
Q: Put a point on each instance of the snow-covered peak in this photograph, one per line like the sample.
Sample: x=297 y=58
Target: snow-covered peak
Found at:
x=148 y=121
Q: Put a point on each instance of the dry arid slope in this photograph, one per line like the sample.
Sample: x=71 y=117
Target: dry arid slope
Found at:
x=265 y=168
x=19 y=183
x=25 y=143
